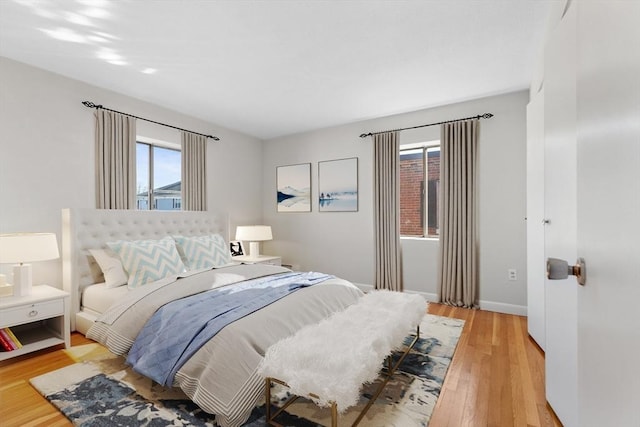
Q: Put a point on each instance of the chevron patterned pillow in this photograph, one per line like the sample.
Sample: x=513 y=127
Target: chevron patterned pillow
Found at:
x=203 y=251
x=148 y=260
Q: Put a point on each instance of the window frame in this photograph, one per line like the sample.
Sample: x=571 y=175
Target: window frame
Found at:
x=424 y=147
x=151 y=144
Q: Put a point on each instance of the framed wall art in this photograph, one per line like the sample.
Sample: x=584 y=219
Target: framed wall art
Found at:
x=293 y=183
x=338 y=185
x=236 y=247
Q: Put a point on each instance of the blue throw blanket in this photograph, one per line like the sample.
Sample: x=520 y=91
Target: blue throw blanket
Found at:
x=178 y=329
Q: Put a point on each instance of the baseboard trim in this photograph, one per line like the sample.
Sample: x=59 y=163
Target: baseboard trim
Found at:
x=426 y=295
x=498 y=307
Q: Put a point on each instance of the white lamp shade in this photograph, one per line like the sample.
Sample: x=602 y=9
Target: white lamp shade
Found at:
x=28 y=247
x=254 y=233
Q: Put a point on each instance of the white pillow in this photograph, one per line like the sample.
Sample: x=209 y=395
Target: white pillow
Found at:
x=204 y=251
x=109 y=263
x=146 y=261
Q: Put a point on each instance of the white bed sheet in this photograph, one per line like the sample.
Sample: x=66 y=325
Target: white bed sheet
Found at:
x=98 y=298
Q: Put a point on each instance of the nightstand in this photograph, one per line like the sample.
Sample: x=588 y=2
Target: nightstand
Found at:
x=260 y=259
x=39 y=320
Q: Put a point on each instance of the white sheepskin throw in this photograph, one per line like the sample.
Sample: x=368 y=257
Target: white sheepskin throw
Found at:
x=334 y=358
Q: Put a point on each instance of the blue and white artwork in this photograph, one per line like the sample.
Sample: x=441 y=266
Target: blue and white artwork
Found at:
x=338 y=185
x=293 y=183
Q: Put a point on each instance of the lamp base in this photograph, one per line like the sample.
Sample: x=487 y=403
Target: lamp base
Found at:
x=254 y=249
x=22 y=280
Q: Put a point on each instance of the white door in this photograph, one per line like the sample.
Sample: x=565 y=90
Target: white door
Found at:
x=535 y=219
x=608 y=181
x=560 y=204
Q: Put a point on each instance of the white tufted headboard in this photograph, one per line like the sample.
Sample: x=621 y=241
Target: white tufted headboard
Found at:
x=84 y=229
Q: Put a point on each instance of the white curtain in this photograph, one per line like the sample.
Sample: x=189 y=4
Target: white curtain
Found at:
x=115 y=160
x=194 y=172
x=386 y=214
x=458 y=263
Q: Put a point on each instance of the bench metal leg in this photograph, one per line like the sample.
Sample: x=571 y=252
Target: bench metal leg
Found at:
x=391 y=368
x=391 y=371
x=270 y=419
x=267 y=399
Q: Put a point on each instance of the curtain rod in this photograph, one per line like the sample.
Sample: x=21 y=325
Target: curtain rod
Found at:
x=479 y=116
x=90 y=104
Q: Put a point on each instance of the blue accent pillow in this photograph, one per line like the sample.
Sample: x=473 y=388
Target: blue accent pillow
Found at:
x=146 y=261
x=201 y=252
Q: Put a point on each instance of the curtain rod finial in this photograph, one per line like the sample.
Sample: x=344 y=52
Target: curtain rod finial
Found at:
x=364 y=135
x=487 y=115
x=90 y=104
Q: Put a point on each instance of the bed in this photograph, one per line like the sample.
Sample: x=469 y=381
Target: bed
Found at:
x=220 y=375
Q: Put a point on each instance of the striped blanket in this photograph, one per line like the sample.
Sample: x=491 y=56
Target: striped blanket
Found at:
x=178 y=329
x=222 y=375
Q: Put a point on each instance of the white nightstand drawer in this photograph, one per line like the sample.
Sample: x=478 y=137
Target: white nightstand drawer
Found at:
x=260 y=259
x=39 y=320
x=32 y=312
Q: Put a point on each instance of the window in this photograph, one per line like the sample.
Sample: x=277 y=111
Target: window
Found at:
x=158 y=177
x=419 y=163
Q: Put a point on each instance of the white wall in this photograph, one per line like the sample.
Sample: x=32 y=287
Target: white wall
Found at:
x=342 y=243
x=47 y=154
x=47 y=163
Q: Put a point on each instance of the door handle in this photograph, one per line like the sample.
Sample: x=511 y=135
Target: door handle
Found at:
x=559 y=269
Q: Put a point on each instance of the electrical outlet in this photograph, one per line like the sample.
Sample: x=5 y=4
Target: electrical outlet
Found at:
x=513 y=274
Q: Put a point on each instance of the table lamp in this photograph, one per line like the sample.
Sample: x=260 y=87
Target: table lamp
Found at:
x=22 y=248
x=254 y=234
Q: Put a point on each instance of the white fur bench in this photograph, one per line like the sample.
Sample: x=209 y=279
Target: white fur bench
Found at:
x=331 y=360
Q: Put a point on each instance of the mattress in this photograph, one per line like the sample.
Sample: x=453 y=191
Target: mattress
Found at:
x=98 y=298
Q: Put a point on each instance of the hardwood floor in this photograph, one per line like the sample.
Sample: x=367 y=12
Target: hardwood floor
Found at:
x=496 y=378
x=20 y=404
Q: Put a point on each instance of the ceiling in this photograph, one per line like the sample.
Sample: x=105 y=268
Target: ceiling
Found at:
x=278 y=67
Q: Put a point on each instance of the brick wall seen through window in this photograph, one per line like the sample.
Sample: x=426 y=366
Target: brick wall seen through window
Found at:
x=419 y=190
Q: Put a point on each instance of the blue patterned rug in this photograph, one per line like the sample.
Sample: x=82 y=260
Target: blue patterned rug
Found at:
x=100 y=390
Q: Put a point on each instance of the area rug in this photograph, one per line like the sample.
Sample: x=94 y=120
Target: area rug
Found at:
x=101 y=390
